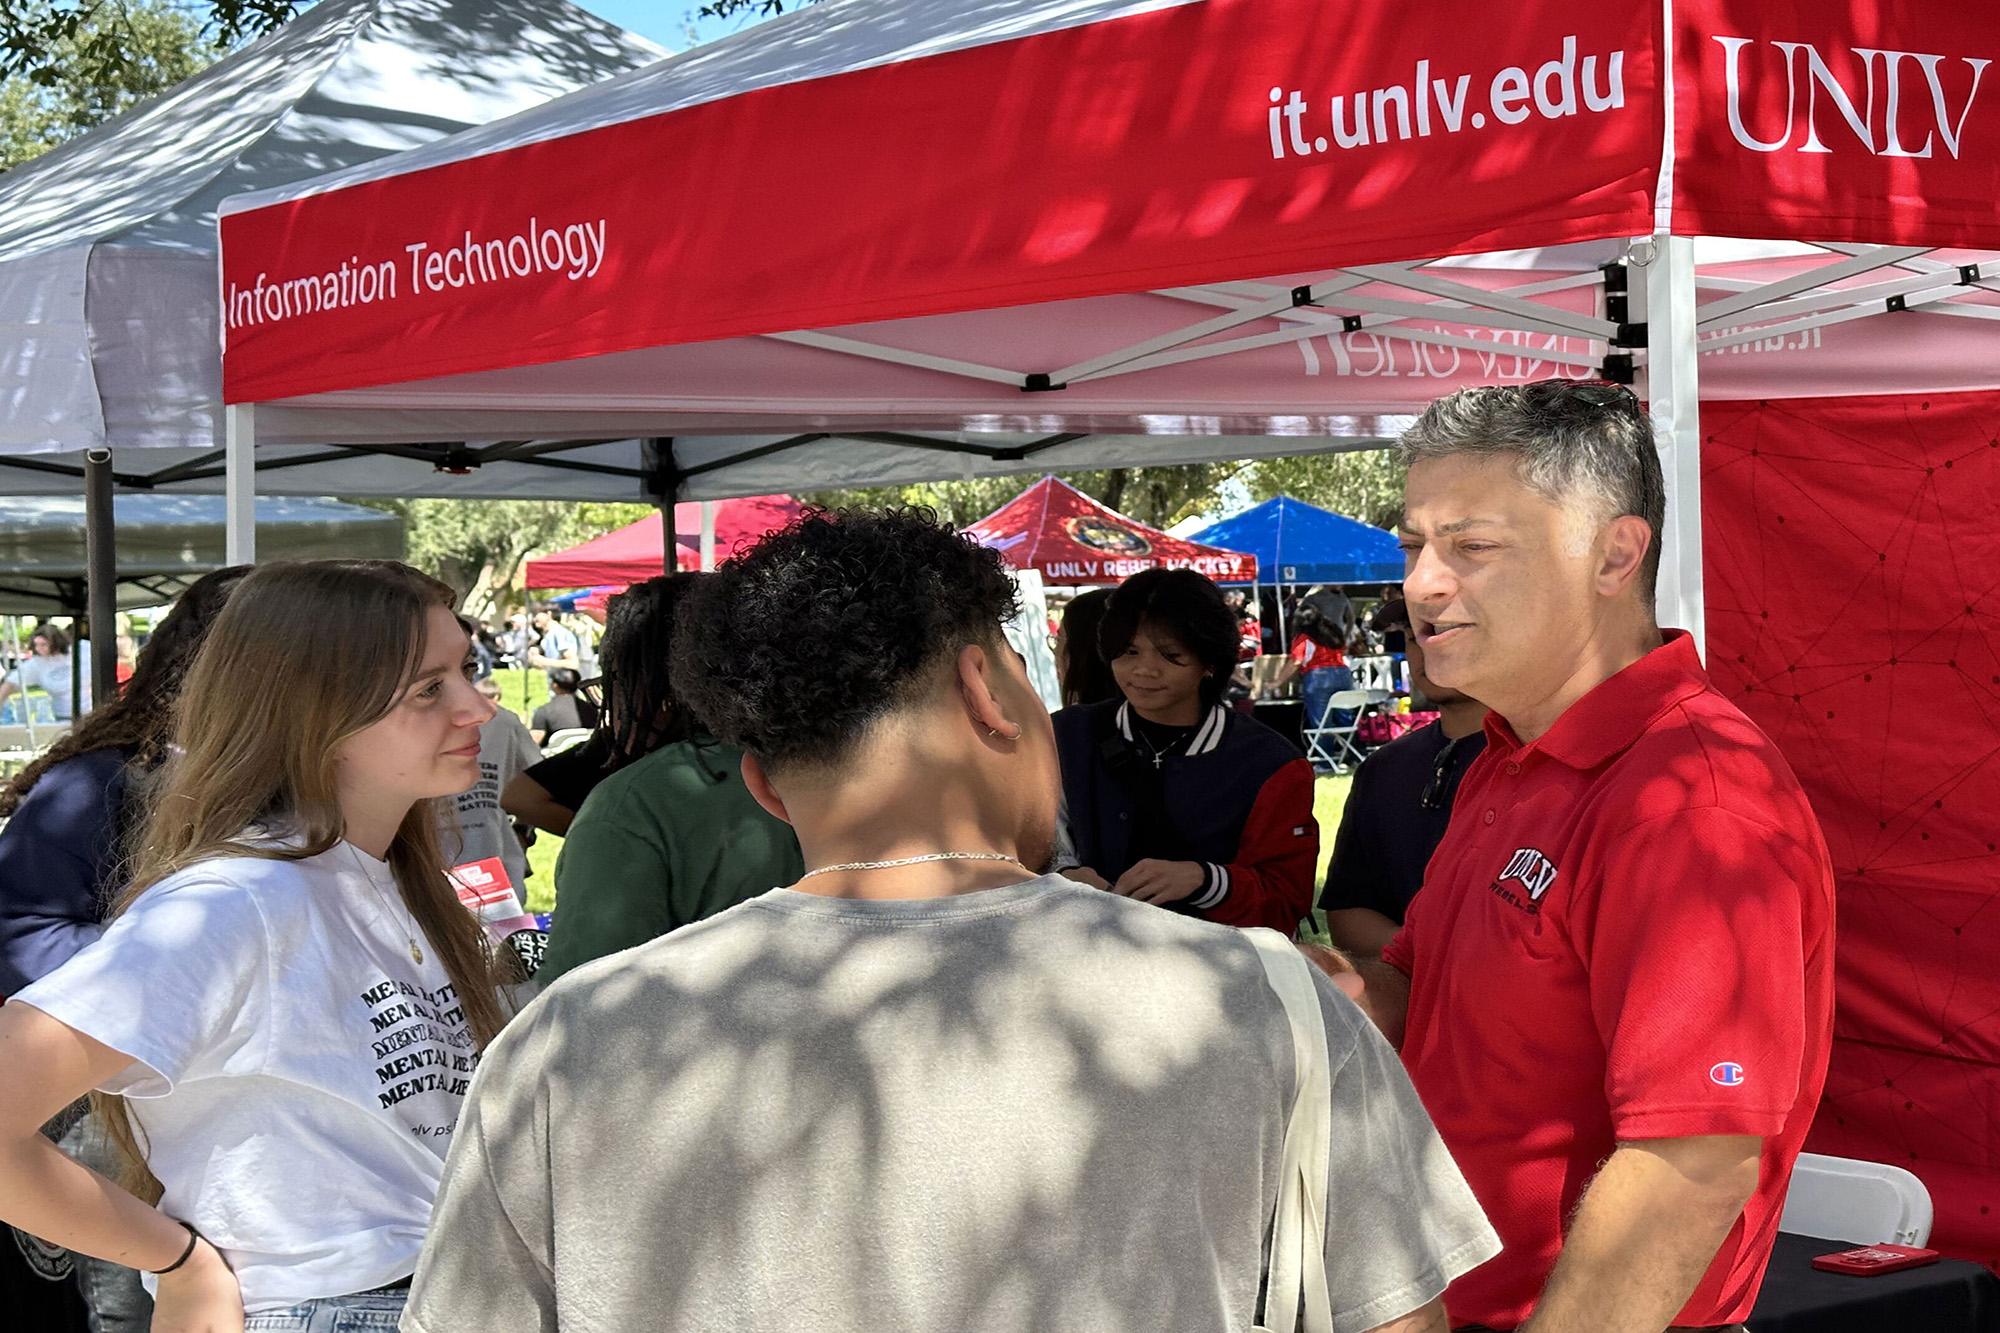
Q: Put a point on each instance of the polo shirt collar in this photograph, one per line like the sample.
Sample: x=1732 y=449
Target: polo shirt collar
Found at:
x=1613 y=715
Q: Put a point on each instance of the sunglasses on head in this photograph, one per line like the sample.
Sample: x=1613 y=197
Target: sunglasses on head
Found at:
x=1594 y=394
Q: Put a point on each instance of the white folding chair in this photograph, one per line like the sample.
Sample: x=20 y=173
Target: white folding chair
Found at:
x=1330 y=742
x=1862 y=1203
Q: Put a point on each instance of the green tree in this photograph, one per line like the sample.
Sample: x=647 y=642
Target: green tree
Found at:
x=480 y=546
x=92 y=63
x=1364 y=484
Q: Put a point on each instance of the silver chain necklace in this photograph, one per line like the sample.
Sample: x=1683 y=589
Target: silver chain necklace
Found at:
x=410 y=933
x=914 y=860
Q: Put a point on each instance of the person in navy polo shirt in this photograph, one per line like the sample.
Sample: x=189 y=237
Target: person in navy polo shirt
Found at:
x=1397 y=810
x=1614 y=992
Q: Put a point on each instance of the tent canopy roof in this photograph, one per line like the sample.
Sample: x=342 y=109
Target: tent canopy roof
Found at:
x=166 y=542
x=1072 y=539
x=1033 y=218
x=108 y=243
x=637 y=551
x=1296 y=542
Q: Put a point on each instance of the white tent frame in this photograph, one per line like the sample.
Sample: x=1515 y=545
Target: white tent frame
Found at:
x=1649 y=336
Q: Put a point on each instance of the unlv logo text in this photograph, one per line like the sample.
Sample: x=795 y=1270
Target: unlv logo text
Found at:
x=1898 y=76
x=1533 y=871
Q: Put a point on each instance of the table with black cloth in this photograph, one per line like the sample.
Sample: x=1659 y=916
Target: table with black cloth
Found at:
x=1949 y=1296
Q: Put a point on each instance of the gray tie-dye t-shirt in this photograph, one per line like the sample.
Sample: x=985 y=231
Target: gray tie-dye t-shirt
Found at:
x=1041 y=1107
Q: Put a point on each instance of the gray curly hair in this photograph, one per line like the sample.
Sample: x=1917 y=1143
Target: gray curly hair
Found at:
x=1582 y=444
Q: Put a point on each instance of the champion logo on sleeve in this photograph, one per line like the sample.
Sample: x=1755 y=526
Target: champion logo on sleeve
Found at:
x=1726 y=1073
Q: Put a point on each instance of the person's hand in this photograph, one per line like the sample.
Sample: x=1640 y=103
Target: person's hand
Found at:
x=1338 y=966
x=1085 y=875
x=1160 y=882
x=201 y=1296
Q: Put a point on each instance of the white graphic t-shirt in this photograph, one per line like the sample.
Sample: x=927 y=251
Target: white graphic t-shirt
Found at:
x=296 y=1072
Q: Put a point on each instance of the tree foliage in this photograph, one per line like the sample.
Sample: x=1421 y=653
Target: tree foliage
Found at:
x=751 y=9
x=1367 y=485
x=83 y=65
x=480 y=546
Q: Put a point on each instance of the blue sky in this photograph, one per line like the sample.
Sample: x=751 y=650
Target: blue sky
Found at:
x=668 y=22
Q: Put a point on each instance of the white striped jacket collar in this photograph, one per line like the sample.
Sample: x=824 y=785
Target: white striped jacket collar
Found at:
x=1206 y=737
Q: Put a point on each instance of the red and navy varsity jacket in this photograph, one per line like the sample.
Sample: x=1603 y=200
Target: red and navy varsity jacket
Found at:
x=1239 y=802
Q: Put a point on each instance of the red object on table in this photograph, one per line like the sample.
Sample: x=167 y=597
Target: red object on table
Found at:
x=1868 y=1260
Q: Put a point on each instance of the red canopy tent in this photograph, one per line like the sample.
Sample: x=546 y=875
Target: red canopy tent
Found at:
x=1109 y=232
x=1072 y=539
x=636 y=551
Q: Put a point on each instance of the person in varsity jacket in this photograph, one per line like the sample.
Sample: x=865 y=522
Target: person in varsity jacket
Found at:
x=1169 y=797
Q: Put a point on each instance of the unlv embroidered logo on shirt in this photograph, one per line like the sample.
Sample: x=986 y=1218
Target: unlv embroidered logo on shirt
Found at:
x=1534 y=872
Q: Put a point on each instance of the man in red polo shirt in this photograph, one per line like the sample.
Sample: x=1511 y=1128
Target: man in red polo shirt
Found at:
x=1614 y=991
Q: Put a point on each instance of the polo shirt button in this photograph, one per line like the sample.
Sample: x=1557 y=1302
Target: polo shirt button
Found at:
x=1489 y=816
x=1512 y=769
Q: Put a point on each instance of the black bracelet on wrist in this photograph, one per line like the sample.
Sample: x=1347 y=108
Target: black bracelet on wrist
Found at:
x=194 y=1237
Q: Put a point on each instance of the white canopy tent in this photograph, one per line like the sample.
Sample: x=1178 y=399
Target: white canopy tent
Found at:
x=108 y=246
x=110 y=336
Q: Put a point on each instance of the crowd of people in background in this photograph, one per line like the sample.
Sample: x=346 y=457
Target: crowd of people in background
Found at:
x=877 y=996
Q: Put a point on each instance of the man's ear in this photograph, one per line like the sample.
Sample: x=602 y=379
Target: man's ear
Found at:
x=1626 y=540
x=975 y=686
x=759 y=783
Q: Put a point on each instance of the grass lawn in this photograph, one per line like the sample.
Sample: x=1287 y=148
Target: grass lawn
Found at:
x=1329 y=799
x=525 y=691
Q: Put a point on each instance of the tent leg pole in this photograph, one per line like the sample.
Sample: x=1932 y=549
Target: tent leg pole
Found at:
x=707 y=536
x=239 y=485
x=664 y=482
x=101 y=573
x=1673 y=392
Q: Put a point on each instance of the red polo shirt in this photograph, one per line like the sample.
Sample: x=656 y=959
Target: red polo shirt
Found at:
x=1627 y=933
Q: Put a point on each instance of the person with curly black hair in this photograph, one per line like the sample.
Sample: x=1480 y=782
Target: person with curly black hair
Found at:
x=924 y=1086
x=1171 y=798
x=670 y=835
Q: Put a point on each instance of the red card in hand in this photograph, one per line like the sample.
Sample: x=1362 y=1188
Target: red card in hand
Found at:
x=1867 y=1260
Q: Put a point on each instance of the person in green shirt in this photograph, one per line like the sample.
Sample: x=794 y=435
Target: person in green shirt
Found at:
x=671 y=835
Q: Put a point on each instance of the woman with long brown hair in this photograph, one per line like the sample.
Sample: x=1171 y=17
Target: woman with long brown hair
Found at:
x=289 y=997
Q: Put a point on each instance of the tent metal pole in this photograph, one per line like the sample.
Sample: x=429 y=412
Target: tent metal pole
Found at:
x=100 y=562
x=239 y=485
x=665 y=479
x=708 y=536
x=1673 y=391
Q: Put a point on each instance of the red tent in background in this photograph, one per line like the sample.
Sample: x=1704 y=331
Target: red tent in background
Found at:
x=634 y=552
x=1071 y=539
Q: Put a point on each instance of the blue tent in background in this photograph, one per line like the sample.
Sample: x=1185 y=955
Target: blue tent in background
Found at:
x=1295 y=542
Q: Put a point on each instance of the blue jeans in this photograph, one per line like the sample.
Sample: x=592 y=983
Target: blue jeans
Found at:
x=368 y=1312
x=116 y=1302
x=1322 y=685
